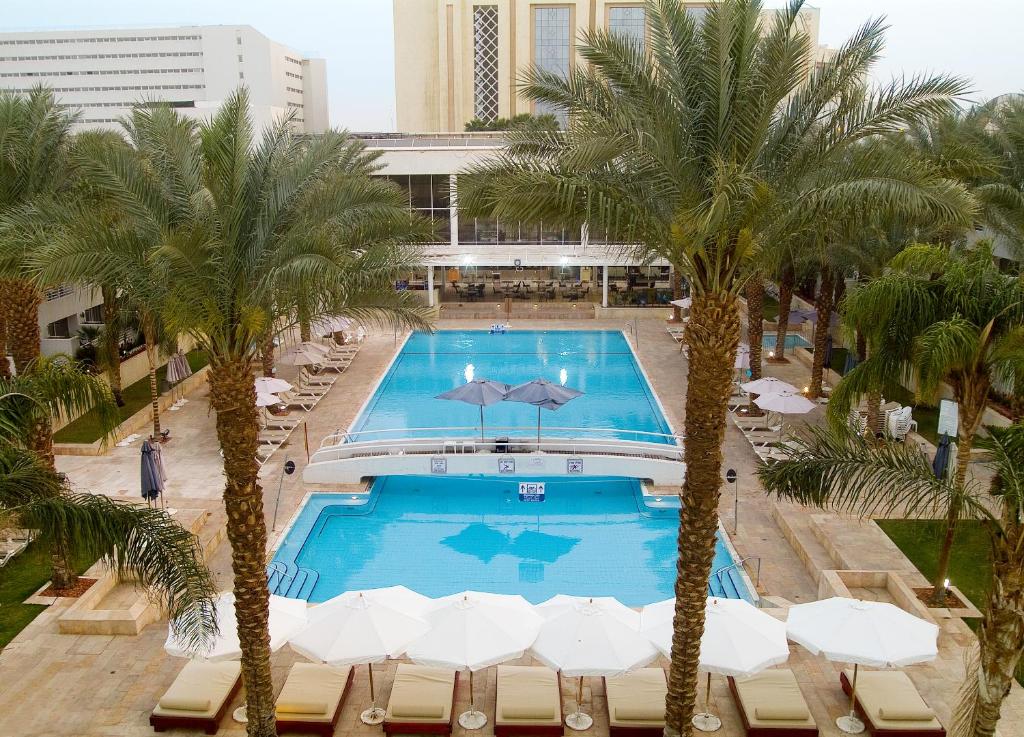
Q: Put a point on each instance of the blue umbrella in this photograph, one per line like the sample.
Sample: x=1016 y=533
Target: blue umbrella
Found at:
x=827 y=361
x=152 y=482
x=480 y=392
x=542 y=394
x=941 y=462
x=851 y=361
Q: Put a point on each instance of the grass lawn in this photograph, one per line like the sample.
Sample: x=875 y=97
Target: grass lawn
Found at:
x=969 y=568
x=771 y=308
x=19 y=579
x=86 y=428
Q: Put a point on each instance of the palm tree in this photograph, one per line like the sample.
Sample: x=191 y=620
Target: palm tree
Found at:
x=839 y=470
x=252 y=221
x=697 y=149
x=34 y=142
x=938 y=317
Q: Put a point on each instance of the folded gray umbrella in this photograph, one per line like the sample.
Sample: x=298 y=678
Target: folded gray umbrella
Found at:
x=542 y=394
x=152 y=479
x=480 y=392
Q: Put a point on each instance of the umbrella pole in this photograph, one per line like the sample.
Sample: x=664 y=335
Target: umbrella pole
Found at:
x=849 y=723
x=472 y=719
x=373 y=715
x=578 y=720
x=706 y=721
x=538 y=427
x=481 y=425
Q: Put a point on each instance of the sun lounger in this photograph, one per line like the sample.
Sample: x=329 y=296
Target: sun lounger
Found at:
x=290 y=399
x=528 y=700
x=199 y=697
x=308 y=378
x=311 y=390
x=273 y=422
x=311 y=699
x=772 y=705
x=890 y=704
x=636 y=703
x=338 y=365
x=422 y=700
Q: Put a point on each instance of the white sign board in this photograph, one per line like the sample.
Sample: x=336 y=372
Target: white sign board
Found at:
x=948 y=418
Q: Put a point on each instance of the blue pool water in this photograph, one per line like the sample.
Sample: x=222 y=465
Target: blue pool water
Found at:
x=592 y=537
x=616 y=401
x=792 y=341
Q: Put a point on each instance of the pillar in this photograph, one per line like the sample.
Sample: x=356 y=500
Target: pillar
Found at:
x=453 y=209
x=430 y=286
x=604 y=286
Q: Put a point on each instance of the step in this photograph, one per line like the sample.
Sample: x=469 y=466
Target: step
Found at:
x=796 y=525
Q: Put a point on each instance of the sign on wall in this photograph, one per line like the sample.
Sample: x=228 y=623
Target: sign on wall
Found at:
x=574 y=465
x=439 y=465
x=506 y=465
x=531 y=491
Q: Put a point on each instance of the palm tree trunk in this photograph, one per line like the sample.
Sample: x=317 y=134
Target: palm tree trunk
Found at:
x=149 y=332
x=305 y=331
x=786 y=284
x=23 y=325
x=874 y=423
x=5 y=309
x=862 y=347
x=1001 y=636
x=267 y=354
x=755 y=323
x=822 y=328
x=233 y=397
x=677 y=293
x=712 y=336
x=112 y=342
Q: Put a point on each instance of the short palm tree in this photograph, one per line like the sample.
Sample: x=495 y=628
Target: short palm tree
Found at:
x=834 y=468
x=254 y=222
x=938 y=317
x=698 y=149
x=35 y=135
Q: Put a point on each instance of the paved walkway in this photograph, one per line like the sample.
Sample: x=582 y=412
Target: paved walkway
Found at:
x=54 y=684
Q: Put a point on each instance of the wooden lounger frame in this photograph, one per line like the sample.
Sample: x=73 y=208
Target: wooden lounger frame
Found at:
x=322 y=728
x=866 y=718
x=209 y=725
x=767 y=731
x=552 y=730
x=421 y=728
x=615 y=731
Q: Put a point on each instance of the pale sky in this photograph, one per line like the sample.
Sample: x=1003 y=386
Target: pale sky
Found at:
x=979 y=39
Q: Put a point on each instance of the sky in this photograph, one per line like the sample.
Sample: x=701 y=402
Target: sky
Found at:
x=977 y=39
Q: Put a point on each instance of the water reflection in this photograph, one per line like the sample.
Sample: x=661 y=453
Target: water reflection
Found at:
x=484 y=542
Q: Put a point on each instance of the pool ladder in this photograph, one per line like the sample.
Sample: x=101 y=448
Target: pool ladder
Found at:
x=728 y=577
x=294 y=584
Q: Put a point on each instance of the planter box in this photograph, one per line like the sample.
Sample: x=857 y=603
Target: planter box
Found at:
x=840 y=583
x=137 y=421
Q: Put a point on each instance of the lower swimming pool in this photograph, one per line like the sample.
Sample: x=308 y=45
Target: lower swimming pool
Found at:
x=792 y=341
x=594 y=537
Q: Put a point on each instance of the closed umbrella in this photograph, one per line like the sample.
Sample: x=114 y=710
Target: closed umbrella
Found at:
x=363 y=627
x=590 y=637
x=151 y=476
x=174 y=374
x=270 y=385
x=768 y=385
x=287 y=617
x=544 y=395
x=941 y=463
x=481 y=392
x=742 y=357
x=475 y=630
x=872 y=633
x=739 y=640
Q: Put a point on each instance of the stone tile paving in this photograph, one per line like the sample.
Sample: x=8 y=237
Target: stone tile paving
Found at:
x=53 y=684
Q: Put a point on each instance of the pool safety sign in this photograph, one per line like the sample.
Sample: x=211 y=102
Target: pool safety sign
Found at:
x=531 y=491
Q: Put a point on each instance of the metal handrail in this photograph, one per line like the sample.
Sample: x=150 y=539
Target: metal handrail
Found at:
x=469 y=432
x=739 y=565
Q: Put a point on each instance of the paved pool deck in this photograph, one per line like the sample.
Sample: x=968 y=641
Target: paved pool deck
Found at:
x=57 y=684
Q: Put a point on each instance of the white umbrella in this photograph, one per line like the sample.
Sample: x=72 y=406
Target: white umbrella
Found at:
x=287 y=616
x=363 y=627
x=739 y=640
x=475 y=630
x=270 y=385
x=590 y=637
x=302 y=355
x=683 y=304
x=869 y=633
x=265 y=399
x=329 y=324
x=742 y=357
x=768 y=385
x=788 y=403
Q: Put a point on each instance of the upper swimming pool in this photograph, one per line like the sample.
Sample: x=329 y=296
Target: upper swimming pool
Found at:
x=617 y=400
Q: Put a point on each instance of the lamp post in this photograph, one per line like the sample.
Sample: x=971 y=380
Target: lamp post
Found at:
x=730 y=477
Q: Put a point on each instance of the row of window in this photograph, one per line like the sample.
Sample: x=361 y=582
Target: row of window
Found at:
x=293 y=76
x=62 y=57
x=122 y=88
x=292 y=89
x=293 y=61
x=98 y=39
x=96 y=72
x=295 y=105
x=128 y=105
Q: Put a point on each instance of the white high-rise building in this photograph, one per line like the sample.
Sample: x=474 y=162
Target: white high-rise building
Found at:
x=103 y=73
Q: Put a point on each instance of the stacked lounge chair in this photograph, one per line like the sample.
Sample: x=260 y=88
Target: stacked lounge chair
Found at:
x=528 y=700
x=12 y=543
x=312 y=697
x=422 y=700
x=890 y=704
x=199 y=697
x=772 y=705
x=636 y=703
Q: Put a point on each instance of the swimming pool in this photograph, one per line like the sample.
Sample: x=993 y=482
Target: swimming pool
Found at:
x=617 y=400
x=594 y=537
x=792 y=341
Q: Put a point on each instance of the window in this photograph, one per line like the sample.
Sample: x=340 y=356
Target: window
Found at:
x=59 y=329
x=698 y=13
x=628 y=22
x=485 y=62
x=429 y=195
x=93 y=314
x=551 y=36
